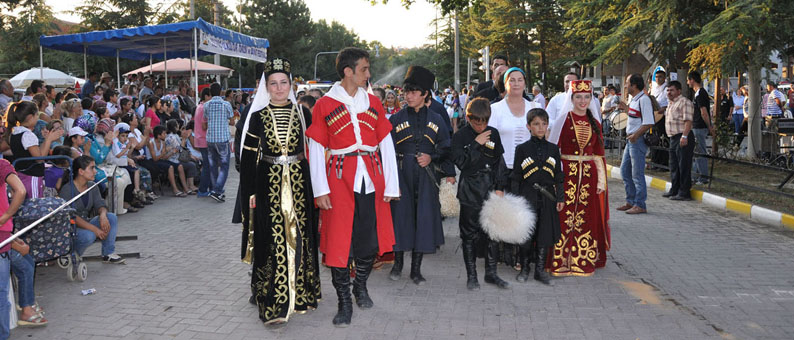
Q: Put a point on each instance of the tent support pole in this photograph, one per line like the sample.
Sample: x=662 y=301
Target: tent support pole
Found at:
x=118 y=72
x=85 y=62
x=41 y=62
x=165 y=61
x=150 y=64
x=195 y=55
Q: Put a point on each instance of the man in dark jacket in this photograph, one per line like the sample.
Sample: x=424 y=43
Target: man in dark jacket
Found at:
x=421 y=141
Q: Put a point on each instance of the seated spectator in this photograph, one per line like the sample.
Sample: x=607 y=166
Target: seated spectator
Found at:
x=75 y=141
x=70 y=110
x=23 y=116
x=120 y=197
x=122 y=147
x=160 y=155
x=102 y=113
x=54 y=174
x=6 y=227
x=91 y=215
x=87 y=105
x=153 y=105
x=177 y=139
x=41 y=101
x=145 y=165
x=55 y=124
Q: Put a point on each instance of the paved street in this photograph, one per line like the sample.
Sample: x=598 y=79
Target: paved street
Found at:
x=683 y=271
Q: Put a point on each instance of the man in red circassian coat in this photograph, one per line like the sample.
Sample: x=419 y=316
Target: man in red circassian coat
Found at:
x=352 y=187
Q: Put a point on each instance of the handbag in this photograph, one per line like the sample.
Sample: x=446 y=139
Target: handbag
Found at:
x=184 y=156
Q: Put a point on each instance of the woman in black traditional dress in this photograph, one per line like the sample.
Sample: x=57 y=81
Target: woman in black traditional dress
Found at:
x=278 y=232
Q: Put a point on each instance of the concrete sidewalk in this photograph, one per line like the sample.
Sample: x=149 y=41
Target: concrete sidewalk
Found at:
x=682 y=271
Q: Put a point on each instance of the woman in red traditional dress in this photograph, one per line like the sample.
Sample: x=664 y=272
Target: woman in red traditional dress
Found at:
x=584 y=223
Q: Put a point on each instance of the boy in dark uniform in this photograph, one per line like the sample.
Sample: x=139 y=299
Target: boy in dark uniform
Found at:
x=477 y=151
x=421 y=141
x=537 y=176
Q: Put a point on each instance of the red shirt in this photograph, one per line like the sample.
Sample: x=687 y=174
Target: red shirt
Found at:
x=154 y=119
x=6 y=169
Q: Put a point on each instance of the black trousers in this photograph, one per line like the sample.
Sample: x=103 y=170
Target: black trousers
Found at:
x=681 y=164
x=364 y=242
x=470 y=229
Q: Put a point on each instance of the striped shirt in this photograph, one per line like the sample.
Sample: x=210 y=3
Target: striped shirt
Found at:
x=772 y=108
x=217 y=113
x=679 y=111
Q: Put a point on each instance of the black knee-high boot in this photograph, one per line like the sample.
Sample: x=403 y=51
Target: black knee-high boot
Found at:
x=470 y=261
x=540 y=273
x=340 y=277
x=416 y=266
x=523 y=259
x=490 y=266
x=363 y=268
x=397 y=267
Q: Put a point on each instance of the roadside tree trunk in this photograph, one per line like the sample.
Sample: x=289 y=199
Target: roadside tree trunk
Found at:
x=754 y=116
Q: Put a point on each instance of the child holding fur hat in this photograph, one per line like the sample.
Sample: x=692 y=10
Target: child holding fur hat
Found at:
x=477 y=151
x=537 y=176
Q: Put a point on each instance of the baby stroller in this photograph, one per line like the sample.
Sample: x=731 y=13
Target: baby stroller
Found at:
x=55 y=236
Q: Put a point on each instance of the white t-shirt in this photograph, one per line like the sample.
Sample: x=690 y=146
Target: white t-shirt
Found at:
x=112 y=108
x=68 y=123
x=640 y=112
x=540 y=99
x=28 y=138
x=660 y=93
x=512 y=130
x=118 y=146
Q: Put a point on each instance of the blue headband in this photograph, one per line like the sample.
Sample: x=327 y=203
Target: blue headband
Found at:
x=510 y=70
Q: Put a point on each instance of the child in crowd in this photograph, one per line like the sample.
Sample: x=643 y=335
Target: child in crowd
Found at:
x=121 y=148
x=537 y=176
x=477 y=151
x=22 y=118
x=160 y=154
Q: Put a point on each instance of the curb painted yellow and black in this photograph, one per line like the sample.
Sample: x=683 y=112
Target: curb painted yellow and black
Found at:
x=755 y=212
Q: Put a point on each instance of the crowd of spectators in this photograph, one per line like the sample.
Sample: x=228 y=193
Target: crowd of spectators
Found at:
x=142 y=138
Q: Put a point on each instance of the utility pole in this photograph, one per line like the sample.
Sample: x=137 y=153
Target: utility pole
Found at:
x=192 y=9
x=216 y=16
x=457 y=55
x=468 y=72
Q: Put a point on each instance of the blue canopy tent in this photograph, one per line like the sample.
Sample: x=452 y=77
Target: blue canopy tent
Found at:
x=188 y=39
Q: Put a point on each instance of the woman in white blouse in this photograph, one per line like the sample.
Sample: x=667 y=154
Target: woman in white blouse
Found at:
x=509 y=116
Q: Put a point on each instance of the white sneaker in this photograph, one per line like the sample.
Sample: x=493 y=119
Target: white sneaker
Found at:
x=113 y=258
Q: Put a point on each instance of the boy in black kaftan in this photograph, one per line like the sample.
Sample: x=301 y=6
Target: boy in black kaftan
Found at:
x=537 y=176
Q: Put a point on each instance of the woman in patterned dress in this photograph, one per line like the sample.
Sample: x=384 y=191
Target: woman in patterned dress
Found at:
x=584 y=223
x=278 y=232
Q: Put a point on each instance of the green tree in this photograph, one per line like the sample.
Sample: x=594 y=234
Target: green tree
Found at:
x=204 y=9
x=19 y=48
x=743 y=37
x=285 y=23
x=326 y=37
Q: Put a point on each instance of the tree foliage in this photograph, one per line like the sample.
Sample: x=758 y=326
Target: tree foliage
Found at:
x=20 y=43
x=204 y=9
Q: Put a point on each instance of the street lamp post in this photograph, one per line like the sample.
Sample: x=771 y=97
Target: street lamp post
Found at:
x=315 y=60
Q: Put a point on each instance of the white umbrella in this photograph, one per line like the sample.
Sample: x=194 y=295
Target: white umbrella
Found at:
x=50 y=76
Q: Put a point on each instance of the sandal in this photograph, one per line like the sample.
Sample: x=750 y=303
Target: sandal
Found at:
x=34 y=320
x=36 y=308
x=180 y=194
x=191 y=192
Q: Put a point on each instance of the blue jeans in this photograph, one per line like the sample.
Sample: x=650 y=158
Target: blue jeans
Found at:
x=632 y=169
x=737 y=123
x=86 y=237
x=219 y=165
x=205 y=179
x=5 y=305
x=700 y=168
x=24 y=268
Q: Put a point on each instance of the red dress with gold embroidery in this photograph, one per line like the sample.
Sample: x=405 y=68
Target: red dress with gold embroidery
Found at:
x=584 y=224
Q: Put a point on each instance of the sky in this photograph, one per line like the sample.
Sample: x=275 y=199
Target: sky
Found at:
x=391 y=24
